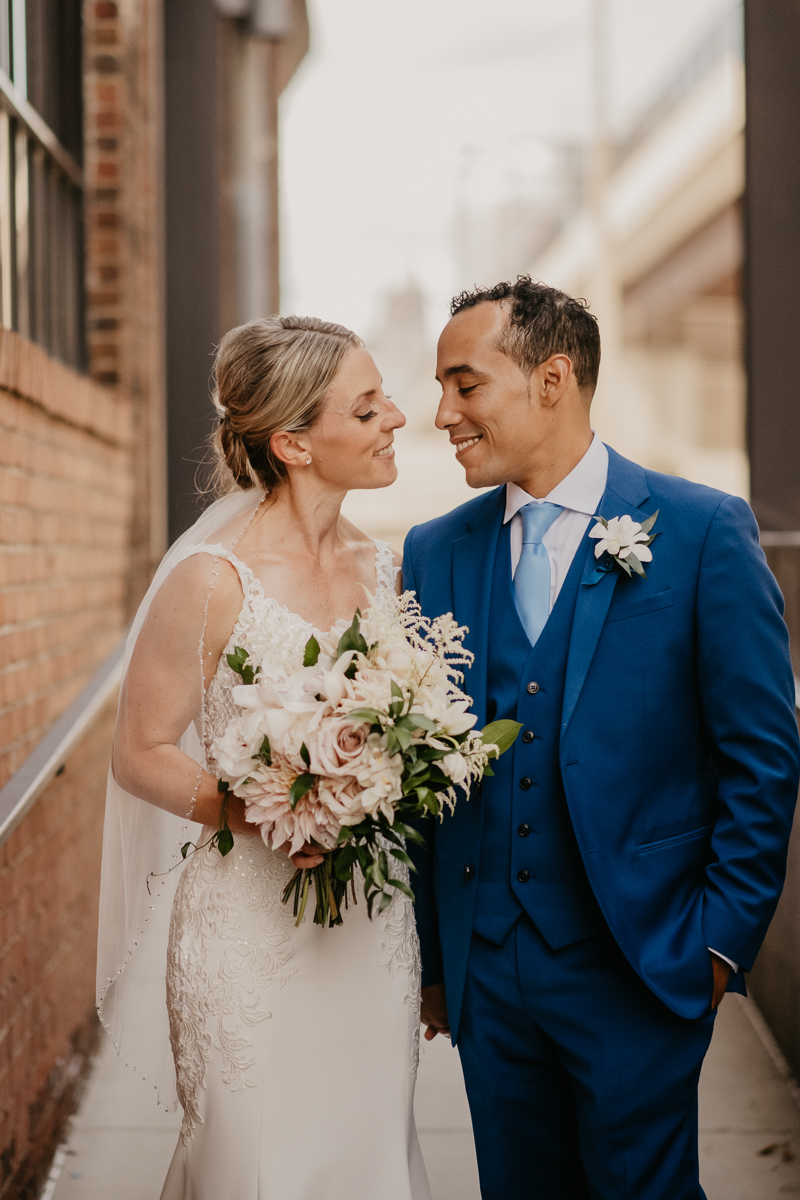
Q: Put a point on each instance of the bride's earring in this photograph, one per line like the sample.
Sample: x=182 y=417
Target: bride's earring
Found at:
x=308 y=462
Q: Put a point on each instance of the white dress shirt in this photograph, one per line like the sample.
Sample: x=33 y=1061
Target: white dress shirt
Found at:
x=579 y=494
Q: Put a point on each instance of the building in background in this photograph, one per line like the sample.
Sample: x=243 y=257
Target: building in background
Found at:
x=656 y=247
x=649 y=229
x=136 y=224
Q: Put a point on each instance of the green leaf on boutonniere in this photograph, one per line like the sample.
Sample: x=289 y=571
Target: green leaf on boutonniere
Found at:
x=311 y=655
x=306 y=757
x=633 y=562
x=301 y=785
x=650 y=522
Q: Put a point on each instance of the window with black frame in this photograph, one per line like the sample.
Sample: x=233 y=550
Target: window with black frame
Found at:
x=41 y=177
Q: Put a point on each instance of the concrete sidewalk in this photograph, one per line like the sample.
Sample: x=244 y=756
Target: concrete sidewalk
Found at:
x=120 y=1146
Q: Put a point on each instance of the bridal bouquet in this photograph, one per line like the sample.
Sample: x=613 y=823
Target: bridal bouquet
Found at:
x=366 y=737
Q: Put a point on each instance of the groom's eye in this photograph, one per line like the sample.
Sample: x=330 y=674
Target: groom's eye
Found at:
x=464 y=391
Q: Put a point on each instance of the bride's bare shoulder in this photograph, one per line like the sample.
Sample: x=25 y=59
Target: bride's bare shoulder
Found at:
x=201 y=578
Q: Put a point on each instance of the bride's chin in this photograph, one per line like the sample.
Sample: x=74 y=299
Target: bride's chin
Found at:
x=387 y=476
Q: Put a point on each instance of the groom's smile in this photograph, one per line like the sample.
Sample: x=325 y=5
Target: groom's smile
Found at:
x=464 y=444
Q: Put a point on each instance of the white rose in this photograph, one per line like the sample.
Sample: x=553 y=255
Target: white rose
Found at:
x=337 y=748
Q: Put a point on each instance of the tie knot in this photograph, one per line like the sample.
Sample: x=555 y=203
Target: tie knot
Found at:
x=536 y=520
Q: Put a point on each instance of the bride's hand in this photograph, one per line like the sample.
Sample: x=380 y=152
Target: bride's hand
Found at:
x=308 y=857
x=236 y=818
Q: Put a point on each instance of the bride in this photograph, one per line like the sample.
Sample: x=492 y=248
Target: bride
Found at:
x=293 y=1050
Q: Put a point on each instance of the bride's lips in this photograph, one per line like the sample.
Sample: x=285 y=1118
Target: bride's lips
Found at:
x=386 y=452
x=462 y=445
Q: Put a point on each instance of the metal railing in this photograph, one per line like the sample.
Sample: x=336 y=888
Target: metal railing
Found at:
x=27 y=784
x=41 y=231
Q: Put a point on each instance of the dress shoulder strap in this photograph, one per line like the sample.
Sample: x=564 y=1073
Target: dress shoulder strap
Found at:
x=385 y=571
x=246 y=575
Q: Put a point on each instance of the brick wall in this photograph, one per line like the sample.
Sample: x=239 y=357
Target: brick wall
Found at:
x=65 y=510
x=82 y=520
x=123 y=116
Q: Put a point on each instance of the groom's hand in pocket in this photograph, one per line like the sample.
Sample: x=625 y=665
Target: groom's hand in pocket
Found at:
x=433 y=1012
x=722 y=973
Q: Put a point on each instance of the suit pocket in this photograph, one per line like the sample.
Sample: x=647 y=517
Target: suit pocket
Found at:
x=640 y=608
x=691 y=835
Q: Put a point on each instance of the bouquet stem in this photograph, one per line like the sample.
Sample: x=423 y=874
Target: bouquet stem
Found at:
x=331 y=893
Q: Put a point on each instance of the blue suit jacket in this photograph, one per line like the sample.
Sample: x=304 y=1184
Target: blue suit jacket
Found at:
x=679 y=747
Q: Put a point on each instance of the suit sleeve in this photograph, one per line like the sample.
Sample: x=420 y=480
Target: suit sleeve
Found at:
x=746 y=688
x=423 y=856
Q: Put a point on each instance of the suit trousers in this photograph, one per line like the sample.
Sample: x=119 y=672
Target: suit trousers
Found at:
x=581 y=1082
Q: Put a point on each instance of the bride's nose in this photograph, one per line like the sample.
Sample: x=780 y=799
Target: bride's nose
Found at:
x=395 y=419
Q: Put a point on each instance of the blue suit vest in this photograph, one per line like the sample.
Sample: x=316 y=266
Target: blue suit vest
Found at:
x=529 y=855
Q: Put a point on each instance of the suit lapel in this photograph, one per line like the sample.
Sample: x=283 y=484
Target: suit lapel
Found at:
x=626 y=490
x=473 y=568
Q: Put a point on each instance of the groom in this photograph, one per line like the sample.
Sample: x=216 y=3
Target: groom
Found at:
x=583 y=913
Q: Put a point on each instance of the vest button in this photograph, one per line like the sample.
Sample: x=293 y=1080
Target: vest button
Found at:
x=523 y=876
x=524 y=830
x=467 y=873
x=527 y=735
x=525 y=783
x=533 y=688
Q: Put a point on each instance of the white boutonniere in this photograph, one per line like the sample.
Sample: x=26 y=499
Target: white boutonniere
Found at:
x=626 y=542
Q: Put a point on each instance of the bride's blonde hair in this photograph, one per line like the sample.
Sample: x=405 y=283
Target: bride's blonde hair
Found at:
x=271 y=374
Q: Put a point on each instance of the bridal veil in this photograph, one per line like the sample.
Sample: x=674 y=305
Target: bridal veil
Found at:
x=141 y=842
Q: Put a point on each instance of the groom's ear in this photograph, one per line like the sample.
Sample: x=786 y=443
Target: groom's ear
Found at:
x=553 y=378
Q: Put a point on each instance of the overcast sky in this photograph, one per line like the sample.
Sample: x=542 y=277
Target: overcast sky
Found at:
x=395 y=98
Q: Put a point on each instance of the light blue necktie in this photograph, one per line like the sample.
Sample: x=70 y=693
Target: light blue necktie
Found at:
x=532 y=576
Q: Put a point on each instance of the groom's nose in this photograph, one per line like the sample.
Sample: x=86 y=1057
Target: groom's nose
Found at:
x=446 y=414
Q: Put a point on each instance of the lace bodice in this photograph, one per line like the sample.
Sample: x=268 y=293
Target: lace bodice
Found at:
x=266 y=629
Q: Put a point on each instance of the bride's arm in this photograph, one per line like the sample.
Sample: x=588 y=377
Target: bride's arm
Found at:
x=163 y=690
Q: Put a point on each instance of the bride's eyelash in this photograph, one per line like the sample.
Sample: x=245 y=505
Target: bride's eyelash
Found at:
x=368 y=416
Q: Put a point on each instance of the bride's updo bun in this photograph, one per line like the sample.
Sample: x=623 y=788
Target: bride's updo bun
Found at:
x=270 y=375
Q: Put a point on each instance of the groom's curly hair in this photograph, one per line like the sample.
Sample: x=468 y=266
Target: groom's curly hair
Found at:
x=542 y=321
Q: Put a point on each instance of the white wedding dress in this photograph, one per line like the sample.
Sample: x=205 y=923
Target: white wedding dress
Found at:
x=295 y=1048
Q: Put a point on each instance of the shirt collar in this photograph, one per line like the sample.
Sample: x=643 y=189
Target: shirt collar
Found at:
x=581 y=490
